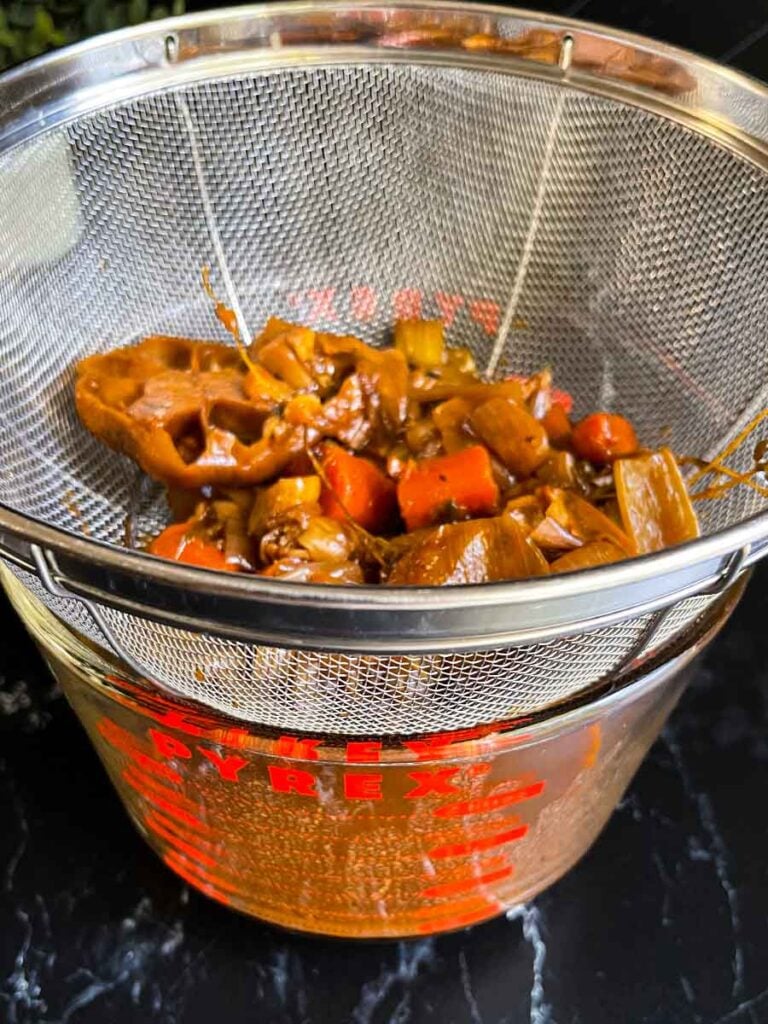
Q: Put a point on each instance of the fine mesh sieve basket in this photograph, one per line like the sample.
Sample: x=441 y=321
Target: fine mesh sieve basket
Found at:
x=559 y=194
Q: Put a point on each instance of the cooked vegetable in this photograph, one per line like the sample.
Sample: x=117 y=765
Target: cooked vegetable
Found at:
x=356 y=488
x=559 y=470
x=452 y=420
x=260 y=386
x=286 y=358
x=326 y=540
x=518 y=439
x=449 y=487
x=230 y=516
x=473 y=552
x=180 y=409
x=180 y=544
x=598 y=552
x=552 y=536
x=604 y=437
x=421 y=342
x=527 y=511
x=288 y=493
x=655 y=505
x=314 y=457
x=584 y=520
x=439 y=386
x=300 y=571
x=557 y=425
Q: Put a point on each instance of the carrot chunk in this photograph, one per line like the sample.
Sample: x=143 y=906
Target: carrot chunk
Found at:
x=462 y=481
x=179 y=544
x=355 y=486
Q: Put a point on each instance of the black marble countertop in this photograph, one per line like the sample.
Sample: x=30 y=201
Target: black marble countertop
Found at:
x=664 y=922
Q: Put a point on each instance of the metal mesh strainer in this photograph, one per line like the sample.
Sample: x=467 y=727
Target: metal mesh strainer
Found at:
x=560 y=194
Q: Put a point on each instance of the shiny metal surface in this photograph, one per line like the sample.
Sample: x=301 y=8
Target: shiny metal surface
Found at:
x=357 y=146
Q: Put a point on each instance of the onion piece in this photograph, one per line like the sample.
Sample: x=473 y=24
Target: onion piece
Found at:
x=584 y=520
x=284 y=494
x=551 y=535
x=526 y=511
x=300 y=571
x=326 y=540
x=598 y=552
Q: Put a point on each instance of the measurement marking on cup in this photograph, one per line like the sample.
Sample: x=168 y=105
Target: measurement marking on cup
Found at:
x=490 y=863
x=124 y=742
x=481 y=843
x=178 y=829
x=132 y=775
x=461 y=885
x=169 y=807
x=491 y=802
x=197 y=877
x=444 y=923
x=201 y=873
x=149 y=764
x=183 y=845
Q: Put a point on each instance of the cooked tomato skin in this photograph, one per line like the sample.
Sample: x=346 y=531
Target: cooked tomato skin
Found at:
x=603 y=437
x=177 y=543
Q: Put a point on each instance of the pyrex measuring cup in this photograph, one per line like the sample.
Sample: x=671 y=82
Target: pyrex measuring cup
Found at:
x=363 y=760
x=359 y=837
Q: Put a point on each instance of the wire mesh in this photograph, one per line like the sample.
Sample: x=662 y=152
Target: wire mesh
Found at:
x=373 y=695
x=346 y=195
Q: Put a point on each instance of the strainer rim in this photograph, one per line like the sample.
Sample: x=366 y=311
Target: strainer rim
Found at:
x=162 y=29
x=196 y=19
x=718 y=544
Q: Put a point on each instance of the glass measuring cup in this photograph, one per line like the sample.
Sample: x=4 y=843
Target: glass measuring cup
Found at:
x=362 y=837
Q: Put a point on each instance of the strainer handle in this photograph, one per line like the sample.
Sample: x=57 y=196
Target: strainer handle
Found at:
x=45 y=566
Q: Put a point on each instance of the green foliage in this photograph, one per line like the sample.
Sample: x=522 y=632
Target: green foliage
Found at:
x=29 y=29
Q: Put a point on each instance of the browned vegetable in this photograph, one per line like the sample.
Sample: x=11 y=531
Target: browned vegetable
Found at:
x=357 y=489
x=552 y=536
x=454 y=383
x=452 y=420
x=473 y=552
x=300 y=570
x=583 y=520
x=557 y=425
x=450 y=486
x=281 y=497
x=518 y=439
x=179 y=543
x=603 y=437
x=327 y=540
x=287 y=356
x=559 y=470
x=421 y=342
x=527 y=511
x=180 y=409
x=597 y=552
x=655 y=505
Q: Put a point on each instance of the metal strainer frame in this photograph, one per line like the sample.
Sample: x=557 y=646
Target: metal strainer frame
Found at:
x=727 y=107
